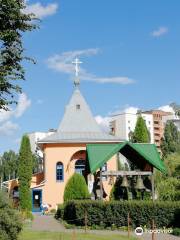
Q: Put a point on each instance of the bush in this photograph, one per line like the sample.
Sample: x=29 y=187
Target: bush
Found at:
x=26 y=215
x=169 y=189
x=60 y=212
x=10 y=220
x=76 y=188
x=165 y=214
x=176 y=231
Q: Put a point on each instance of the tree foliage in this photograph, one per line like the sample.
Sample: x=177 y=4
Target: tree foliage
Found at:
x=25 y=173
x=9 y=165
x=10 y=221
x=176 y=108
x=171 y=140
x=140 y=134
x=13 y=23
x=169 y=189
x=76 y=188
x=168 y=186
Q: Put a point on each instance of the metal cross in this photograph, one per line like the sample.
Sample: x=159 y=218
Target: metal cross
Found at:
x=77 y=63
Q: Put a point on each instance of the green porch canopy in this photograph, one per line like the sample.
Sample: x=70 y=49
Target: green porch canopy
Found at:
x=99 y=154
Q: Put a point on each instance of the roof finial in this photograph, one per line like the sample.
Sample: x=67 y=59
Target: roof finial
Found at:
x=77 y=63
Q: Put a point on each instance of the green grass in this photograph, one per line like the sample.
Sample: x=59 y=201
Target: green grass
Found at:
x=28 y=235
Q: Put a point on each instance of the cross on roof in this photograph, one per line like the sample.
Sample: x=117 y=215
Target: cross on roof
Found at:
x=77 y=63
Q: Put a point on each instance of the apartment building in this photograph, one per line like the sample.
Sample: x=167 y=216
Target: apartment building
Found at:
x=158 y=124
x=123 y=124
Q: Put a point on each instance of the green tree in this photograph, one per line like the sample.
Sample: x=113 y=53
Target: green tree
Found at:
x=141 y=133
x=9 y=165
x=168 y=186
x=171 y=140
x=10 y=220
x=176 y=108
x=76 y=188
x=169 y=189
x=25 y=173
x=13 y=23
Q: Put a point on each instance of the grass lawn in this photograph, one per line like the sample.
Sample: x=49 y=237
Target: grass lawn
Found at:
x=28 y=235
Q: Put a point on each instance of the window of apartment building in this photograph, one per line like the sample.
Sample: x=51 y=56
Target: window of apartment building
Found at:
x=78 y=107
x=156 y=122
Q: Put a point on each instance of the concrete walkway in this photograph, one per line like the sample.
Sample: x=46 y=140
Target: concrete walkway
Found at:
x=46 y=223
x=50 y=224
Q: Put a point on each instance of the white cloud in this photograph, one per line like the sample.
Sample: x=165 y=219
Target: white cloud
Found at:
x=132 y=110
x=40 y=10
x=160 y=31
x=103 y=122
x=63 y=63
x=126 y=109
x=23 y=104
x=8 y=128
x=5 y=115
x=167 y=108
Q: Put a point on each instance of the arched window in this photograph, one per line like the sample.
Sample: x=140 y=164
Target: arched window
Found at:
x=80 y=166
x=59 y=171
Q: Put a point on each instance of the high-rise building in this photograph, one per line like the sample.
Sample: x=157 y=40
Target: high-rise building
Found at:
x=158 y=124
x=123 y=124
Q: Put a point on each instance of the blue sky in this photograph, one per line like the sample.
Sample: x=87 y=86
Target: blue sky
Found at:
x=130 y=52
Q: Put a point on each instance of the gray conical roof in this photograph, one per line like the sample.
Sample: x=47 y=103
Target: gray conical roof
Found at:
x=78 y=116
x=78 y=124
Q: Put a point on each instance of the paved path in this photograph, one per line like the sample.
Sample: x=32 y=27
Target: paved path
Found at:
x=50 y=224
x=46 y=223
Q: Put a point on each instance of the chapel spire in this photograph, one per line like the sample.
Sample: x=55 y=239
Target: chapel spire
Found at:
x=77 y=62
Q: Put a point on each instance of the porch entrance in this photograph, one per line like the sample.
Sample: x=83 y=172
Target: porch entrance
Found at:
x=36 y=200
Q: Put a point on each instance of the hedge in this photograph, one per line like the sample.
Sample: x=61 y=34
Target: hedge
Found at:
x=165 y=214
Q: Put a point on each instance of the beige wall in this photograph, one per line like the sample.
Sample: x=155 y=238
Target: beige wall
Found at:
x=53 y=191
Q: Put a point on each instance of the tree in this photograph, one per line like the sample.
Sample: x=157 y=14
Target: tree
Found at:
x=141 y=133
x=168 y=185
x=9 y=165
x=176 y=108
x=76 y=188
x=171 y=140
x=10 y=220
x=25 y=173
x=14 y=22
x=169 y=189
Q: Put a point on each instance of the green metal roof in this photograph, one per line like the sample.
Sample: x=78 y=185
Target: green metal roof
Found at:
x=98 y=154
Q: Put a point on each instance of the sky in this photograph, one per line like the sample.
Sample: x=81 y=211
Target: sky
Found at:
x=130 y=52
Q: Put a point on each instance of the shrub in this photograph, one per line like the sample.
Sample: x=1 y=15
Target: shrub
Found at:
x=60 y=212
x=76 y=188
x=165 y=214
x=10 y=220
x=176 y=231
x=169 y=189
